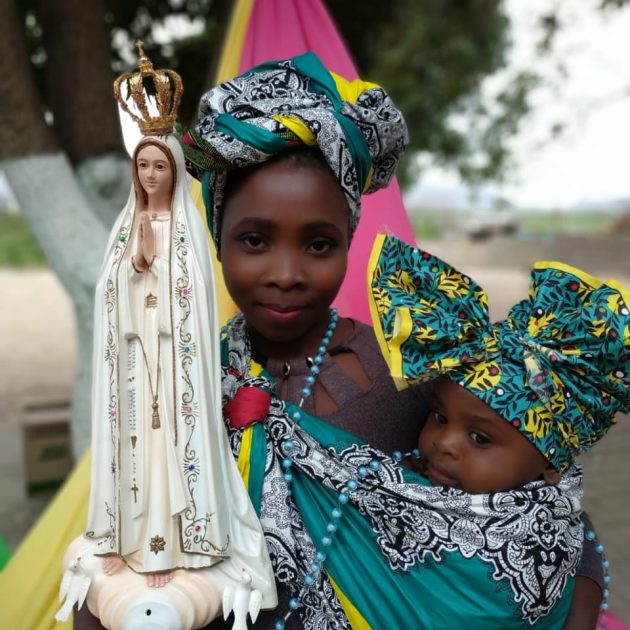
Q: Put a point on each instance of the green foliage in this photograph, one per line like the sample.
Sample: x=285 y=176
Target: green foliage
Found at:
x=427 y=225
x=432 y=57
x=18 y=247
x=435 y=223
x=567 y=222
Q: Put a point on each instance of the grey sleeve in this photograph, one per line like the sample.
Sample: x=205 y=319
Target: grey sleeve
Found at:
x=591 y=563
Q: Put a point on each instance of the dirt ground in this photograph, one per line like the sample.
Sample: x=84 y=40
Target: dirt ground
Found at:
x=38 y=359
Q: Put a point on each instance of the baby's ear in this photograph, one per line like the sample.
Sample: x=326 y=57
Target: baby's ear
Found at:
x=551 y=475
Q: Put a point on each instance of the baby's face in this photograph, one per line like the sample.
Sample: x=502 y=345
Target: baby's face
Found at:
x=467 y=445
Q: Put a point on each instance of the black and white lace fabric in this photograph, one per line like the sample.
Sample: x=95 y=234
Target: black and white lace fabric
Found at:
x=531 y=537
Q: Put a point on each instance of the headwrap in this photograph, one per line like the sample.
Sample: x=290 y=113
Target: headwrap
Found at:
x=280 y=105
x=557 y=368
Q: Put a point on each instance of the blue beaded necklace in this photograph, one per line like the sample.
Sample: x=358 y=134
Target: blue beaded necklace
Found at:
x=363 y=472
x=344 y=496
x=591 y=536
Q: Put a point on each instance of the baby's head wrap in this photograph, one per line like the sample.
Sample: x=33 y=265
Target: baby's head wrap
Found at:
x=296 y=102
x=557 y=369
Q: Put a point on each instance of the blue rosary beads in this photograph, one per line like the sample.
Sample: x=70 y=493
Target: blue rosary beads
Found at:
x=590 y=535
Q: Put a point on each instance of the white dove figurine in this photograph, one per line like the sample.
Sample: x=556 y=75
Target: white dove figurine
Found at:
x=77 y=578
x=241 y=599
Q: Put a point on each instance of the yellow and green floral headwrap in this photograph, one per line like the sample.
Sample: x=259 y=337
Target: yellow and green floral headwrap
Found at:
x=297 y=102
x=557 y=368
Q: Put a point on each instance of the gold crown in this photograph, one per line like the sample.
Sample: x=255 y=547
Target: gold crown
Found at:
x=168 y=91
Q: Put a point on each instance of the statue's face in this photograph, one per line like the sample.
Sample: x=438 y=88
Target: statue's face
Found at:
x=154 y=171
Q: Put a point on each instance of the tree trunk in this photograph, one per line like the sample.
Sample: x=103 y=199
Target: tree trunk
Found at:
x=61 y=218
x=51 y=198
x=23 y=130
x=79 y=77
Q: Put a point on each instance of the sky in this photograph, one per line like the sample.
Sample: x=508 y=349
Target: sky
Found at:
x=589 y=163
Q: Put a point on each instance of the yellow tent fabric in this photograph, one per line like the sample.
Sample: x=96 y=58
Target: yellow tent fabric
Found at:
x=228 y=67
x=29 y=584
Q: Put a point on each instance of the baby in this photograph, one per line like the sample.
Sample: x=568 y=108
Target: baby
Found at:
x=516 y=400
x=513 y=402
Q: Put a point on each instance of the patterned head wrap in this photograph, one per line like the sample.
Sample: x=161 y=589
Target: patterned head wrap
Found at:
x=557 y=369
x=286 y=104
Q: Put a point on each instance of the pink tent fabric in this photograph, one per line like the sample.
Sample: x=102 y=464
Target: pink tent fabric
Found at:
x=284 y=28
x=611 y=622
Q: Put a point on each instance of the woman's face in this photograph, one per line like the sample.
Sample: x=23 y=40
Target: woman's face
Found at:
x=284 y=245
x=154 y=170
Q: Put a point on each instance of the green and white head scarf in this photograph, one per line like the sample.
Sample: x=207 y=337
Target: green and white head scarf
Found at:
x=557 y=368
x=282 y=105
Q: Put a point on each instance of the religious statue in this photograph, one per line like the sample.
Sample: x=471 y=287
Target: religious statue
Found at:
x=168 y=507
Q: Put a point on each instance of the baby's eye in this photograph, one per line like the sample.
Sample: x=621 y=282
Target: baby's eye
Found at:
x=253 y=241
x=320 y=245
x=440 y=418
x=479 y=438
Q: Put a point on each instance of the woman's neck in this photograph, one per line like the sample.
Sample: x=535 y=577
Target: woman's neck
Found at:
x=306 y=346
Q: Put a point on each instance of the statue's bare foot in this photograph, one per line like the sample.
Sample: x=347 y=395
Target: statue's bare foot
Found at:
x=160 y=579
x=112 y=564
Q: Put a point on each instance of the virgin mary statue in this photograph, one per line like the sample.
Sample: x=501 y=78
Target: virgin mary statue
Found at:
x=165 y=489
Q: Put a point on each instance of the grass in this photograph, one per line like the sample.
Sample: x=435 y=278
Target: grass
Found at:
x=18 y=247
x=432 y=224
x=562 y=222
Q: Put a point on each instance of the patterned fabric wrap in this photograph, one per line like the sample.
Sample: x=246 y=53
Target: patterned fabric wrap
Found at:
x=557 y=368
x=296 y=102
x=398 y=536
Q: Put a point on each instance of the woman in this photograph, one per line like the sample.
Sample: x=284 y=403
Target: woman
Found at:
x=282 y=217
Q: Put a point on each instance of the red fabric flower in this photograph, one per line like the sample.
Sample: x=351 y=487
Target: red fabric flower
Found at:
x=251 y=404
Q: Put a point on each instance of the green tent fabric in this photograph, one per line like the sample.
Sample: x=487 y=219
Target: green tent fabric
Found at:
x=5 y=554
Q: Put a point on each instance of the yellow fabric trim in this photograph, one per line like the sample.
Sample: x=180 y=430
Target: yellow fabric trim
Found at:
x=298 y=127
x=351 y=90
x=244 y=455
x=386 y=348
x=582 y=275
x=586 y=277
x=230 y=62
x=30 y=582
x=368 y=181
x=403 y=325
x=376 y=320
x=356 y=619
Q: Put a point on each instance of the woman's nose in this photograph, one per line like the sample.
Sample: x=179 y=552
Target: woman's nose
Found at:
x=286 y=270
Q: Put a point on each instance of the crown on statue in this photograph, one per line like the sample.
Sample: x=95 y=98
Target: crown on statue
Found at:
x=168 y=88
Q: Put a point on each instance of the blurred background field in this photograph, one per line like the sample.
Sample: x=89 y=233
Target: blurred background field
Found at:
x=433 y=224
x=18 y=246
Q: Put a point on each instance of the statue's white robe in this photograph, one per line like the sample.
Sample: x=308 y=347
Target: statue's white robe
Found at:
x=168 y=497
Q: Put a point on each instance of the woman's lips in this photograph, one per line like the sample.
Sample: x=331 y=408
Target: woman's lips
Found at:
x=282 y=314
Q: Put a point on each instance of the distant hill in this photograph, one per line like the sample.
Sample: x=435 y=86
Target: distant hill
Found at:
x=459 y=198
